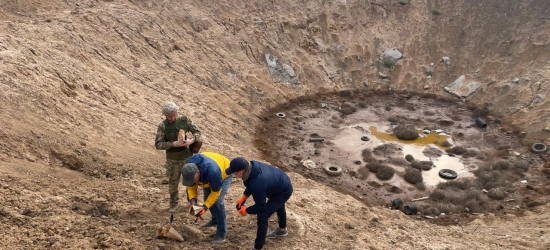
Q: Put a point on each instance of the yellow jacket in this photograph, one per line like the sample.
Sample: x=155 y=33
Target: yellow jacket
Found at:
x=212 y=168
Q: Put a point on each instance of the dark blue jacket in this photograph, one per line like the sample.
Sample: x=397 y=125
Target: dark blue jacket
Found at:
x=266 y=182
x=210 y=171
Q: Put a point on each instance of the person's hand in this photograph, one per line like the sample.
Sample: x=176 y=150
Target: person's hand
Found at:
x=204 y=209
x=192 y=202
x=177 y=144
x=187 y=143
x=241 y=202
x=242 y=211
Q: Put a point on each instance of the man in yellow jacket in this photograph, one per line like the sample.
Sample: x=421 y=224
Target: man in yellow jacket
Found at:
x=207 y=170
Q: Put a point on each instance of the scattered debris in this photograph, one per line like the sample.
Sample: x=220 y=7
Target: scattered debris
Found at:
x=365 y=138
x=309 y=164
x=540 y=98
x=448 y=173
x=446 y=60
x=281 y=72
x=509 y=200
x=382 y=75
x=427 y=87
x=480 y=123
x=462 y=89
x=333 y=170
x=316 y=139
x=396 y=204
x=426 y=131
x=410 y=210
x=421 y=199
x=524 y=181
x=281 y=115
x=439 y=131
x=393 y=53
x=547 y=129
x=538 y=147
x=515 y=80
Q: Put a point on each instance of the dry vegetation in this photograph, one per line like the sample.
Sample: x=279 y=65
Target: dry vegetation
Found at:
x=405 y=132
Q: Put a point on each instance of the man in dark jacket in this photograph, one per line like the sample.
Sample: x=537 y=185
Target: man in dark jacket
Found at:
x=263 y=182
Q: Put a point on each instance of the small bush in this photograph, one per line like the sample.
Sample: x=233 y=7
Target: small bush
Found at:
x=403 y=2
x=362 y=104
x=447 y=208
x=347 y=109
x=437 y=195
x=509 y=53
x=422 y=165
x=367 y=155
x=405 y=132
x=501 y=165
x=409 y=158
x=428 y=113
x=458 y=150
x=388 y=61
x=385 y=173
x=363 y=173
x=375 y=166
x=473 y=193
x=473 y=206
x=420 y=186
x=521 y=165
x=388 y=108
x=457 y=184
x=413 y=176
x=496 y=194
x=436 y=12
x=446 y=144
x=455 y=196
x=470 y=153
x=393 y=119
x=429 y=210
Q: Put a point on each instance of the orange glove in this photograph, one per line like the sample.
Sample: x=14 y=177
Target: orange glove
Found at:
x=241 y=202
x=204 y=209
x=242 y=211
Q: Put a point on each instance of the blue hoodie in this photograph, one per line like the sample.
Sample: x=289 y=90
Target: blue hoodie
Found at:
x=266 y=182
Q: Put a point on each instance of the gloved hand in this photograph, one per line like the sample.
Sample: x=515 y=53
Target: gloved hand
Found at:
x=241 y=202
x=204 y=209
x=242 y=211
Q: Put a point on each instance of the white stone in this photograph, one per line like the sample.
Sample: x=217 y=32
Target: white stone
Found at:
x=515 y=80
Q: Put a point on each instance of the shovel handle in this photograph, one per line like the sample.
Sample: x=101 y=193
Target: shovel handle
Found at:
x=171 y=218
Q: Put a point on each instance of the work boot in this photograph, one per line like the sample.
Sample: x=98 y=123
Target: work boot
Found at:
x=211 y=223
x=218 y=239
x=277 y=233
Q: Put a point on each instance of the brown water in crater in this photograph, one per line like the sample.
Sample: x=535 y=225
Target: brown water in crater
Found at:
x=431 y=138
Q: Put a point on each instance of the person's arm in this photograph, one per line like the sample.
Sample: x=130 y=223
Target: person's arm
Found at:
x=259 y=200
x=215 y=188
x=192 y=192
x=160 y=144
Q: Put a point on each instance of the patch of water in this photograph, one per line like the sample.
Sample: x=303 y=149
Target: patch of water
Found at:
x=432 y=178
x=349 y=140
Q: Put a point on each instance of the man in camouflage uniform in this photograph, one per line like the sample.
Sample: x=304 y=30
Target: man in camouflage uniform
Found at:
x=177 y=152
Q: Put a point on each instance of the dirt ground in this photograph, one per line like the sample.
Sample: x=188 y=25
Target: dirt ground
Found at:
x=82 y=83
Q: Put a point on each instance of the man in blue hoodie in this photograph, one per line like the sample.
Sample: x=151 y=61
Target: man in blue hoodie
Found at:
x=207 y=170
x=263 y=182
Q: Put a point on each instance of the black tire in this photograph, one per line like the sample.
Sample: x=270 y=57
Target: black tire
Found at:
x=538 y=147
x=365 y=138
x=333 y=170
x=447 y=174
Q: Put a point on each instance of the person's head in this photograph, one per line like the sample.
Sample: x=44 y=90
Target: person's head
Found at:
x=170 y=110
x=190 y=174
x=237 y=166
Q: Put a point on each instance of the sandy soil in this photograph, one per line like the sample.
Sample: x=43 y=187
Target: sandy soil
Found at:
x=82 y=82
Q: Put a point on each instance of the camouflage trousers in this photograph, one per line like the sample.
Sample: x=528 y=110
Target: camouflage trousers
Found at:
x=173 y=172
